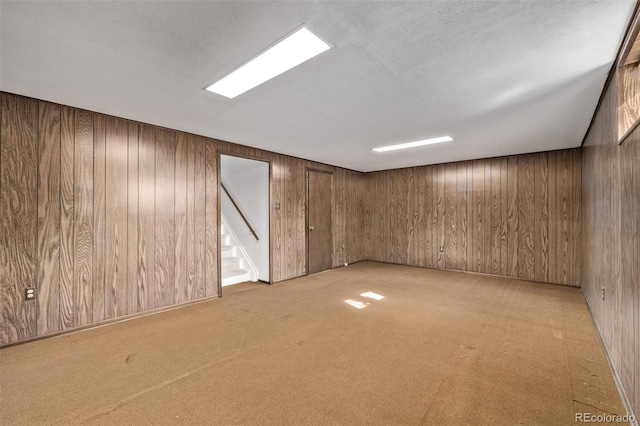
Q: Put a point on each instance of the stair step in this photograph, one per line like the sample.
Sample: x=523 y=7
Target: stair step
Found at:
x=233 y=272
x=230 y=260
x=228 y=251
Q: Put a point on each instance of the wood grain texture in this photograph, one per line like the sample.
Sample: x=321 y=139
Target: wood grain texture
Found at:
x=496 y=215
x=541 y=217
x=493 y=216
x=553 y=217
x=48 y=218
x=146 y=218
x=99 y=218
x=19 y=212
x=116 y=240
x=200 y=211
x=502 y=229
x=165 y=218
x=133 y=185
x=212 y=274
x=462 y=207
x=190 y=287
x=412 y=217
x=450 y=219
x=479 y=223
x=512 y=216
x=440 y=180
x=628 y=98
x=67 y=201
x=610 y=214
x=81 y=304
x=180 y=211
x=526 y=205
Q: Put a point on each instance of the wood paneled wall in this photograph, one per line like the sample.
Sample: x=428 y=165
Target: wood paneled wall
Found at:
x=516 y=216
x=107 y=217
x=611 y=240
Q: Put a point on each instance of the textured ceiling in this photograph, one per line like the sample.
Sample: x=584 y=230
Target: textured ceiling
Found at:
x=499 y=77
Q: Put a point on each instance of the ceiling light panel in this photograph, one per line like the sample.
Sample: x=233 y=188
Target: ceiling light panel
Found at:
x=295 y=49
x=413 y=144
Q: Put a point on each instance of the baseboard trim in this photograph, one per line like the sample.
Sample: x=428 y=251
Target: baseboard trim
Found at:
x=484 y=274
x=111 y=321
x=616 y=378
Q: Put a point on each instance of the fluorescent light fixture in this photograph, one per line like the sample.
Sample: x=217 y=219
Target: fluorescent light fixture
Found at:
x=414 y=144
x=295 y=49
x=372 y=295
x=355 y=303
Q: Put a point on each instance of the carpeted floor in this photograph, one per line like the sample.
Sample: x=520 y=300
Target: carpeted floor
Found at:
x=440 y=348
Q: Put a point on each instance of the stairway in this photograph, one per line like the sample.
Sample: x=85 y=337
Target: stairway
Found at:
x=235 y=267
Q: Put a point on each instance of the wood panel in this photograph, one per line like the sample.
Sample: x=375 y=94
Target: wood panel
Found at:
x=116 y=241
x=400 y=223
x=200 y=211
x=462 y=207
x=81 y=304
x=67 y=200
x=164 y=283
x=412 y=216
x=19 y=212
x=133 y=187
x=180 y=209
x=299 y=254
x=190 y=288
x=470 y=235
x=211 y=221
x=512 y=216
x=99 y=218
x=496 y=216
x=610 y=213
x=439 y=181
x=146 y=218
x=450 y=220
x=628 y=98
x=541 y=217
x=49 y=219
x=504 y=254
x=526 y=205
x=479 y=224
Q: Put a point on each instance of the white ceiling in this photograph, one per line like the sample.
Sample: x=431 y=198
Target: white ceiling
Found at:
x=499 y=77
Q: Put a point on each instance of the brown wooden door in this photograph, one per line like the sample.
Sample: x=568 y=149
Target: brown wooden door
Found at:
x=319 y=230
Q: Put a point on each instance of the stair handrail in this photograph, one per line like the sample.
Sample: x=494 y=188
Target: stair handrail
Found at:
x=240 y=211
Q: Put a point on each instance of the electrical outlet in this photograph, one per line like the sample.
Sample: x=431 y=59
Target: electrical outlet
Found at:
x=29 y=294
x=602 y=293
x=441 y=249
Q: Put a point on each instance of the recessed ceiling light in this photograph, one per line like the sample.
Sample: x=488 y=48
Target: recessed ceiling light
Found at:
x=413 y=144
x=295 y=49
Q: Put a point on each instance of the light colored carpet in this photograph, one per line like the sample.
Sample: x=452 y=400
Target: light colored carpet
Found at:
x=440 y=348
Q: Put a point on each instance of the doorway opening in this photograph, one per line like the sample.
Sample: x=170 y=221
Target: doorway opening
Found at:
x=244 y=220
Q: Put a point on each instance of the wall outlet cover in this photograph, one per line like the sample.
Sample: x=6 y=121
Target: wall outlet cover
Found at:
x=30 y=293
